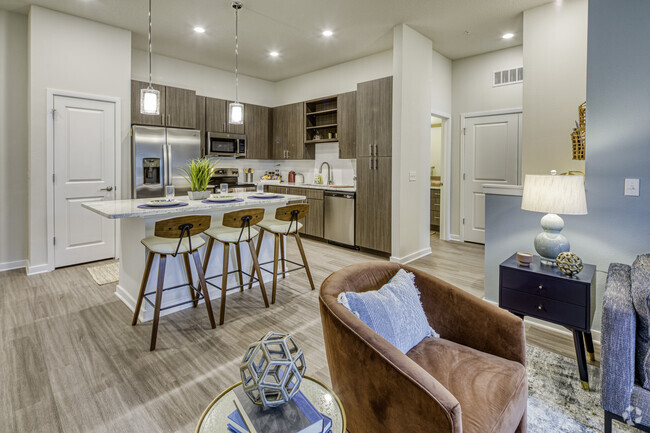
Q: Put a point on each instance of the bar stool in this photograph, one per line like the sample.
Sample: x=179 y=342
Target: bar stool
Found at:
x=172 y=237
x=236 y=227
x=284 y=224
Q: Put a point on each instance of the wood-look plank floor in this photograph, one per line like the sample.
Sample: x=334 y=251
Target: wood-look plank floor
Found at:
x=71 y=362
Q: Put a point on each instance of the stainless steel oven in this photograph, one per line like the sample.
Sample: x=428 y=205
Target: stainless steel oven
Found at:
x=225 y=145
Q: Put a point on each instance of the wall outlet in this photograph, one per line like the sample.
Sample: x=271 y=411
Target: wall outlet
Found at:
x=632 y=187
x=412 y=176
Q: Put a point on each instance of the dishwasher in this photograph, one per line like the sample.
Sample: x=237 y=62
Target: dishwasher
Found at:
x=339 y=217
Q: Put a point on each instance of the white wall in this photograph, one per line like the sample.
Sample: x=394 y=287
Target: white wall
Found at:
x=473 y=92
x=412 y=90
x=555 y=83
x=13 y=140
x=73 y=54
x=207 y=81
x=335 y=79
x=441 y=86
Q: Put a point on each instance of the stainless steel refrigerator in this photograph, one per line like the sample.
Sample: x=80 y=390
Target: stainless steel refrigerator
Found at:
x=158 y=154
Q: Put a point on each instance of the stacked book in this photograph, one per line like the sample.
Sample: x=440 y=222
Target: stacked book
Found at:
x=297 y=416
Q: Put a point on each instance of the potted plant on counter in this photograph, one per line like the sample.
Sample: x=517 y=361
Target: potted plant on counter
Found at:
x=198 y=173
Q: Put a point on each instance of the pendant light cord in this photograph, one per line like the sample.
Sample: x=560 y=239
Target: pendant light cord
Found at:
x=150 y=86
x=236 y=54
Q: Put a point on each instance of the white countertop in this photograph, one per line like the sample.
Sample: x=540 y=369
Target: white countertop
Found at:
x=117 y=209
x=315 y=186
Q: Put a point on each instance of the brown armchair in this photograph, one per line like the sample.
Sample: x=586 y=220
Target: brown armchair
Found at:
x=472 y=379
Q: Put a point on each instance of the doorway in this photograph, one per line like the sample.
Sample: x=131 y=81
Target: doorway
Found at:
x=490 y=156
x=84 y=144
x=436 y=174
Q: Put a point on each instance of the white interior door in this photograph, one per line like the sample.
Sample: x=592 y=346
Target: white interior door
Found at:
x=84 y=170
x=491 y=156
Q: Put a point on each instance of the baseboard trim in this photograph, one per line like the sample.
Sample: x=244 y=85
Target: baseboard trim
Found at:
x=37 y=269
x=8 y=266
x=595 y=335
x=411 y=257
x=455 y=238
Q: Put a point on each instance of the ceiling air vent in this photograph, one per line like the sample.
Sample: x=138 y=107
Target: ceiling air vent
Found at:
x=508 y=76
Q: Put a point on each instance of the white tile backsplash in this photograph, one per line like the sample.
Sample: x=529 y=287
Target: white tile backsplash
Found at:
x=343 y=170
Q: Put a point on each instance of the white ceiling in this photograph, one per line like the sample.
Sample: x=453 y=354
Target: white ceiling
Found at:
x=458 y=28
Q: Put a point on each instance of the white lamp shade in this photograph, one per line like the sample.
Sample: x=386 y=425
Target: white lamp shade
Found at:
x=235 y=113
x=150 y=101
x=554 y=194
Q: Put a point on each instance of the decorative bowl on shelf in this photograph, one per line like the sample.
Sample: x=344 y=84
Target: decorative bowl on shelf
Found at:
x=524 y=259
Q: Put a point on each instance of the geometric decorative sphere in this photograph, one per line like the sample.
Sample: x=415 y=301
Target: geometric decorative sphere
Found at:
x=272 y=369
x=569 y=263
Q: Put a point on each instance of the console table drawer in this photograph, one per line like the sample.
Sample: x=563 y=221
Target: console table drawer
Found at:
x=543 y=308
x=544 y=287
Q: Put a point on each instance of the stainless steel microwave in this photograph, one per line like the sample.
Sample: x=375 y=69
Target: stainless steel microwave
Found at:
x=225 y=145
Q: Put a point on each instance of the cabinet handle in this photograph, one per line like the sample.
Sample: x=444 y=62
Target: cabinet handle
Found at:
x=540 y=307
x=540 y=287
x=370 y=162
x=370 y=149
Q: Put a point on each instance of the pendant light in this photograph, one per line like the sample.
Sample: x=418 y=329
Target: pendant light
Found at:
x=150 y=97
x=236 y=109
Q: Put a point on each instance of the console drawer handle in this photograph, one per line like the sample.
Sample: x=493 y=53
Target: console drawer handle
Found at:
x=540 y=307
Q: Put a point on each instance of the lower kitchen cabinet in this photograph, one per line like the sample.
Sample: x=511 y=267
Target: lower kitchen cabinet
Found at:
x=373 y=204
x=313 y=222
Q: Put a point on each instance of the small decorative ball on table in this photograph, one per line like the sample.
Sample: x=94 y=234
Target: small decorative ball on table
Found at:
x=569 y=263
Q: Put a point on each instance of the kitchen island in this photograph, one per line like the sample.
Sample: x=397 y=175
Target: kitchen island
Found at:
x=136 y=223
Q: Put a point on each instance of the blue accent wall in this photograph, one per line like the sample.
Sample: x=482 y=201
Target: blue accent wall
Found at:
x=617 y=227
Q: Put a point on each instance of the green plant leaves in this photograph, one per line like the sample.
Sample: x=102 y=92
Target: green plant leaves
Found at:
x=198 y=173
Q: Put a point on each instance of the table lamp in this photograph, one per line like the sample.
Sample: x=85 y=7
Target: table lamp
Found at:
x=553 y=194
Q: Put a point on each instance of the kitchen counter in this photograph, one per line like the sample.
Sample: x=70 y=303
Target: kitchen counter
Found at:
x=118 y=209
x=315 y=186
x=136 y=224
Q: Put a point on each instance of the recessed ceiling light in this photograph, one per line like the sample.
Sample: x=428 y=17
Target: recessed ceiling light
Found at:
x=508 y=36
x=328 y=33
x=199 y=29
x=274 y=54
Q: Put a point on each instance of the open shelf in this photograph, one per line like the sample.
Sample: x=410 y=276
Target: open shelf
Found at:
x=331 y=125
x=323 y=140
x=321 y=119
x=317 y=113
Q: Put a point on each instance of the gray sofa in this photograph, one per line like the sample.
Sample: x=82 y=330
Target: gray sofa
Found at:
x=622 y=393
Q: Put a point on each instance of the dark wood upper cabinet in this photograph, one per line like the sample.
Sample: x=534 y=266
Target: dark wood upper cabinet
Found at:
x=200 y=120
x=180 y=107
x=375 y=118
x=138 y=118
x=288 y=133
x=374 y=203
x=346 y=121
x=258 y=131
x=216 y=116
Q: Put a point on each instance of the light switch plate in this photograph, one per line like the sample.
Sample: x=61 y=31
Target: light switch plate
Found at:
x=412 y=176
x=632 y=187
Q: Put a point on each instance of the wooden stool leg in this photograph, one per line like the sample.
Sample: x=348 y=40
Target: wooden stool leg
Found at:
x=257 y=253
x=241 y=276
x=304 y=260
x=275 y=266
x=143 y=286
x=208 y=253
x=203 y=286
x=256 y=266
x=224 y=282
x=284 y=269
x=188 y=272
x=159 y=288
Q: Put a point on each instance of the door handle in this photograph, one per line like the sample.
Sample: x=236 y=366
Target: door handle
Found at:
x=108 y=188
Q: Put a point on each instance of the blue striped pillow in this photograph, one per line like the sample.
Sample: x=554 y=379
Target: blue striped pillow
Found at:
x=394 y=311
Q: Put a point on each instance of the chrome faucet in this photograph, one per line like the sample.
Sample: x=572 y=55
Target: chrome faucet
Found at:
x=329 y=172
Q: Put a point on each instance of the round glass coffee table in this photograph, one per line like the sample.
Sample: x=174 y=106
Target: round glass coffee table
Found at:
x=215 y=417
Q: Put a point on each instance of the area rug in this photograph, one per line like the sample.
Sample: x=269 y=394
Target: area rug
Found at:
x=105 y=274
x=556 y=402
